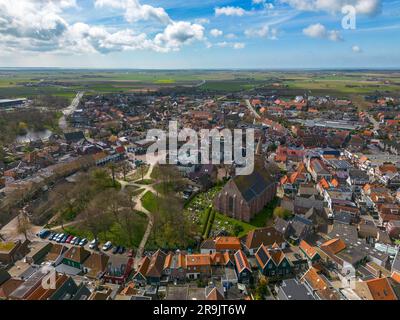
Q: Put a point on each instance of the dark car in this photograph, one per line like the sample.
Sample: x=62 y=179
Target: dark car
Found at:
x=116 y=250
x=43 y=234
x=121 y=250
x=64 y=239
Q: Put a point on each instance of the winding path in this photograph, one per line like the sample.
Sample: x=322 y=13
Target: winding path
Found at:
x=139 y=207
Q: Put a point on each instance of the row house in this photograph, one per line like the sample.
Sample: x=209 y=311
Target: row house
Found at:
x=344 y=194
x=220 y=244
x=318 y=170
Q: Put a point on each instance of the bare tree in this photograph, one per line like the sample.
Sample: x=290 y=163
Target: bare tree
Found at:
x=95 y=218
x=112 y=168
x=23 y=226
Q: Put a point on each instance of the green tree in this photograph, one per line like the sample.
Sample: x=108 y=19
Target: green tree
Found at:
x=282 y=213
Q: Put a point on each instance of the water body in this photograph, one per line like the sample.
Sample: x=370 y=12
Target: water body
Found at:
x=34 y=136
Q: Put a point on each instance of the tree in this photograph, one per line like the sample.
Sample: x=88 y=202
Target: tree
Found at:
x=237 y=229
x=125 y=168
x=112 y=167
x=262 y=288
x=95 y=218
x=282 y=213
x=23 y=226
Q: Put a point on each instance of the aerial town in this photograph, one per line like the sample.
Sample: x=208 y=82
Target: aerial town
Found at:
x=317 y=219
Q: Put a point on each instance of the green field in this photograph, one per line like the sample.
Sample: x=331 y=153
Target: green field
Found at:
x=65 y=83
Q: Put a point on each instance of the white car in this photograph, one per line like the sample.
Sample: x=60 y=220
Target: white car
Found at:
x=107 y=246
x=93 y=244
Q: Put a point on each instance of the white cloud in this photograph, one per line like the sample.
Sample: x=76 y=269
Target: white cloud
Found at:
x=38 y=25
x=263 y=32
x=202 y=20
x=230 y=11
x=231 y=36
x=38 y=20
x=177 y=34
x=234 y=45
x=356 y=49
x=368 y=7
x=264 y=3
x=216 y=33
x=319 y=31
x=239 y=45
x=134 y=11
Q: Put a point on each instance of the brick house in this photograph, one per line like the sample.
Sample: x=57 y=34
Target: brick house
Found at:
x=244 y=196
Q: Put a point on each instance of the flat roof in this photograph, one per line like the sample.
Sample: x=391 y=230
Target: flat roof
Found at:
x=294 y=290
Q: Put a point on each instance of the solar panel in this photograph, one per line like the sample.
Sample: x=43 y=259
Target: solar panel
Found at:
x=263 y=255
x=240 y=261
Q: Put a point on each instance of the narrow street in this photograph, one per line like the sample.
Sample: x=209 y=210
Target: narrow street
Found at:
x=250 y=107
x=70 y=110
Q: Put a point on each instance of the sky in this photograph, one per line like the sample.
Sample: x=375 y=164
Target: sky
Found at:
x=200 y=34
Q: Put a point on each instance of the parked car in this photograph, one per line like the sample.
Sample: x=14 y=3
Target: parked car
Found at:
x=60 y=237
x=77 y=240
x=93 y=244
x=116 y=250
x=44 y=234
x=121 y=250
x=107 y=246
x=64 y=239
x=51 y=236
x=69 y=239
x=83 y=242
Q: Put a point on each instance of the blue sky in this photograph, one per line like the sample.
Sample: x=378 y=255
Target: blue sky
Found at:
x=198 y=34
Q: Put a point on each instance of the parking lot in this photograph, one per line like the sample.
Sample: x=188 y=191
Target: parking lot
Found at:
x=89 y=244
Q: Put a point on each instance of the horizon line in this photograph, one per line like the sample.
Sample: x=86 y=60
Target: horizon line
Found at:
x=209 y=69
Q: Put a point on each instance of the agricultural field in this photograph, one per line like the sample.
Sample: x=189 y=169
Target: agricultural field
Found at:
x=344 y=83
x=65 y=83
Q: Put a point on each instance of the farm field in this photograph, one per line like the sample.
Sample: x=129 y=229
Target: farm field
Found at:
x=65 y=83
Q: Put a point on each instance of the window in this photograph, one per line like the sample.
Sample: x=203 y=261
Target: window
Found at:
x=231 y=204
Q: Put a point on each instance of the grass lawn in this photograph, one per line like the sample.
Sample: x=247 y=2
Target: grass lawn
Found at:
x=145 y=182
x=261 y=219
x=222 y=221
x=135 y=191
x=164 y=188
x=149 y=201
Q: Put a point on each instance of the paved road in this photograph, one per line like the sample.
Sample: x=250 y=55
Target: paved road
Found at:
x=373 y=121
x=70 y=110
x=250 y=107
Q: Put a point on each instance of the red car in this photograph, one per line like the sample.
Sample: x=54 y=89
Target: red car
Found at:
x=69 y=239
